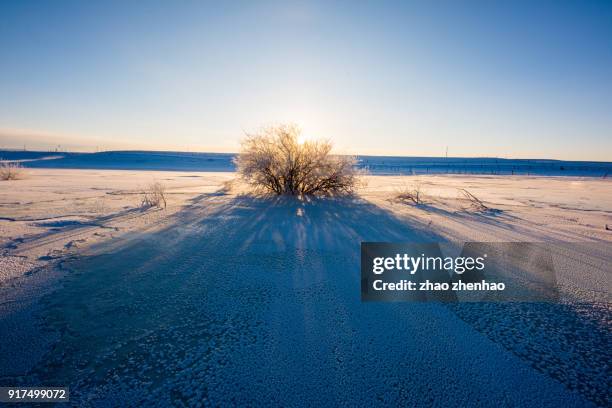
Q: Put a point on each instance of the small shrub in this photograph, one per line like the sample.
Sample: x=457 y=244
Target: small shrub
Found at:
x=275 y=161
x=154 y=196
x=473 y=201
x=11 y=171
x=409 y=195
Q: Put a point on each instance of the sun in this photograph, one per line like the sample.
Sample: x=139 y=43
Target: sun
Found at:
x=302 y=138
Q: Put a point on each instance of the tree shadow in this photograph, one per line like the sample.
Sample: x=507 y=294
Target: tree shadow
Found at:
x=284 y=222
x=224 y=265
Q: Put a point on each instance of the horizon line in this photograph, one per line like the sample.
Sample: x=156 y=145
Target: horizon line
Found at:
x=8 y=149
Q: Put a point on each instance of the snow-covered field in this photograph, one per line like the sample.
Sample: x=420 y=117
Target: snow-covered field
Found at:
x=228 y=299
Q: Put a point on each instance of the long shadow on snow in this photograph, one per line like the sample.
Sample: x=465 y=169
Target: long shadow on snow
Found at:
x=180 y=286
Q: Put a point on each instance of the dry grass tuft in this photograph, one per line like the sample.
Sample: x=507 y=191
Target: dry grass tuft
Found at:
x=410 y=195
x=11 y=171
x=474 y=202
x=154 y=196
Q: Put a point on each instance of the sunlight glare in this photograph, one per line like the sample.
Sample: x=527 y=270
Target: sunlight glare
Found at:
x=302 y=138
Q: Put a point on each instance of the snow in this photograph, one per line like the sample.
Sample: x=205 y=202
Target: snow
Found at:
x=228 y=299
x=127 y=160
x=378 y=165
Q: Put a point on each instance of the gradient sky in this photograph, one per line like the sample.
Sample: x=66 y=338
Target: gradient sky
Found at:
x=528 y=79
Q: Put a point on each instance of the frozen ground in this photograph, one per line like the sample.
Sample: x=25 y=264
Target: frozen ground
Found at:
x=227 y=299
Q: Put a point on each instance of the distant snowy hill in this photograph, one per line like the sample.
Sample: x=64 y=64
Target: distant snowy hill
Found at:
x=380 y=165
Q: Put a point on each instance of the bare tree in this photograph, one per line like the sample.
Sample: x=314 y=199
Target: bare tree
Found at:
x=274 y=160
x=11 y=171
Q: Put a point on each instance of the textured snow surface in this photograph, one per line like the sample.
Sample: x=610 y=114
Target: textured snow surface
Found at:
x=243 y=301
x=239 y=307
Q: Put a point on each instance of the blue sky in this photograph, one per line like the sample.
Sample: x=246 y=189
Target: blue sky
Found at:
x=528 y=79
